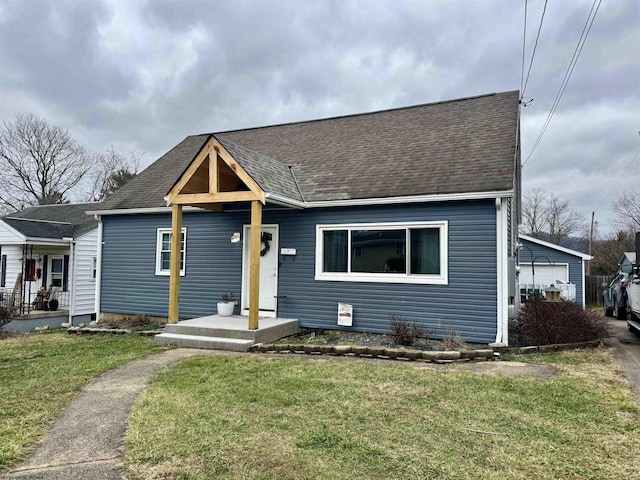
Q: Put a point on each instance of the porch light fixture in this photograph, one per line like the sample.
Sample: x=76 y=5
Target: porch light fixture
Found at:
x=235 y=238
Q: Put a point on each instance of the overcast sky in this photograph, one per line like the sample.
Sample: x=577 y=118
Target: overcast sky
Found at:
x=142 y=75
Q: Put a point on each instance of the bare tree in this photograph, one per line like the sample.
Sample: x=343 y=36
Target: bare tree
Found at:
x=40 y=163
x=534 y=212
x=626 y=207
x=548 y=216
x=562 y=220
x=608 y=252
x=112 y=170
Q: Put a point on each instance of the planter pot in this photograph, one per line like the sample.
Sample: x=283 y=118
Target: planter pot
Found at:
x=225 y=309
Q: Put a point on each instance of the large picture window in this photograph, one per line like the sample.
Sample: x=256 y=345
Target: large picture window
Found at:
x=383 y=252
x=163 y=251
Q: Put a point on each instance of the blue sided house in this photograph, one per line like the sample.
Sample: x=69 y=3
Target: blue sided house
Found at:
x=411 y=212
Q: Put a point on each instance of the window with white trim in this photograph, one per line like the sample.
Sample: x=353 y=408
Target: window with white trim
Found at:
x=163 y=251
x=414 y=252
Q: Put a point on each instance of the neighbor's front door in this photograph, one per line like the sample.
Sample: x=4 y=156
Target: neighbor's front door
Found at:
x=56 y=271
x=268 y=268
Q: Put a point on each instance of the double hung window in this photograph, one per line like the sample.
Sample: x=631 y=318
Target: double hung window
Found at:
x=163 y=251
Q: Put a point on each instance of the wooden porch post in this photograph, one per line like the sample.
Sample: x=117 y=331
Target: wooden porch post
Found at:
x=254 y=262
x=174 y=272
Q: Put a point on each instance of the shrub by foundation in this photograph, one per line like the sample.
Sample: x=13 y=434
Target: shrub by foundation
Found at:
x=405 y=333
x=453 y=341
x=543 y=323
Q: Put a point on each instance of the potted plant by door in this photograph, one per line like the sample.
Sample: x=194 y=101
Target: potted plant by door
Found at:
x=226 y=306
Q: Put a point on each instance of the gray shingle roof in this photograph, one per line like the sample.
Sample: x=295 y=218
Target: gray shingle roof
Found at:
x=271 y=175
x=457 y=146
x=53 y=221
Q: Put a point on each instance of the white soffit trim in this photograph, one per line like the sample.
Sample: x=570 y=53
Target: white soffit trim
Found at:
x=392 y=200
x=46 y=241
x=137 y=211
x=584 y=256
x=289 y=202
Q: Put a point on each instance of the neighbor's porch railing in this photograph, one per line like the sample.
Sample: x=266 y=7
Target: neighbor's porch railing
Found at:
x=529 y=291
x=23 y=306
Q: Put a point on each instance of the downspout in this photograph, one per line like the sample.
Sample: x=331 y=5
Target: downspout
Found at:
x=584 y=304
x=502 y=283
x=98 y=267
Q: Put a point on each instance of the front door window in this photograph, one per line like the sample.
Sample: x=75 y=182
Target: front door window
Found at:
x=56 y=271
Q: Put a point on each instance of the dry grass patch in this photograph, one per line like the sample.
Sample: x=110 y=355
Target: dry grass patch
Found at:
x=255 y=418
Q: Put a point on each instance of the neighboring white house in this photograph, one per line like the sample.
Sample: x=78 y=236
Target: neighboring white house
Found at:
x=47 y=253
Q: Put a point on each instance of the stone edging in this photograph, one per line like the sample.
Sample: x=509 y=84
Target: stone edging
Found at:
x=362 y=351
x=383 y=353
x=112 y=331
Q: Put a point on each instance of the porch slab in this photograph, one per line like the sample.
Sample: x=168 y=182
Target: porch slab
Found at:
x=234 y=329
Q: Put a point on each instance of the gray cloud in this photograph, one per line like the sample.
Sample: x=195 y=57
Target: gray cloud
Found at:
x=142 y=75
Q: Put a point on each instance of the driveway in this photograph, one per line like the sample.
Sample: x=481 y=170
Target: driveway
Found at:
x=626 y=350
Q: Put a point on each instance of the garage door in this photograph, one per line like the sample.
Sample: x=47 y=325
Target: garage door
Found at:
x=545 y=274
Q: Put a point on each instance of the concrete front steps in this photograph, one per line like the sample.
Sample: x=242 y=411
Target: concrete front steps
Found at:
x=225 y=333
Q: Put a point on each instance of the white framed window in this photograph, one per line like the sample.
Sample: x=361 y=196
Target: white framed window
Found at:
x=163 y=251
x=94 y=268
x=398 y=252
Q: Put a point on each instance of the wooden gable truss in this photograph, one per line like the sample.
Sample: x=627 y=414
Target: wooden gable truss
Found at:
x=214 y=177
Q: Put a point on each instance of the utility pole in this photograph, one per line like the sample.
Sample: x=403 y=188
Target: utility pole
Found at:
x=593 y=217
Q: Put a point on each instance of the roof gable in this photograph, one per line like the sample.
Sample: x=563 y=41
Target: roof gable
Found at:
x=553 y=246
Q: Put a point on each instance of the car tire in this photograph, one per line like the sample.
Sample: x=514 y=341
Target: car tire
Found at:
x=607 y=311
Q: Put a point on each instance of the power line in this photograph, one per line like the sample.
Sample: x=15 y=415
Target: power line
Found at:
x=524 y=44
x=533 y=54
x=574 y=59
x=618 y=181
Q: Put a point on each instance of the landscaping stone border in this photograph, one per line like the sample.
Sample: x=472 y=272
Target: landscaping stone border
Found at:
x=384 y=353
x=380 y=352
x=112 y=331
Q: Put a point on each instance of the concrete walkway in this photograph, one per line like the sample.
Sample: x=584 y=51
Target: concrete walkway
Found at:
x=86 y=440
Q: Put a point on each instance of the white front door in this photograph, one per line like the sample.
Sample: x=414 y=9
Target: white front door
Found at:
x=268 y=269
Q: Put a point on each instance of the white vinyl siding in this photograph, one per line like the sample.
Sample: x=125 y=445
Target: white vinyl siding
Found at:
x=14 y=264
x=81 y=278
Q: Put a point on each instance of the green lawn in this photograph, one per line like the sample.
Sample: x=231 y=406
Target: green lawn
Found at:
x=251 y=417
x=39 y=373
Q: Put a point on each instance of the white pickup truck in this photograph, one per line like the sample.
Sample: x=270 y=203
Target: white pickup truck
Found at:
x=633 y=301
x=633 y=292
